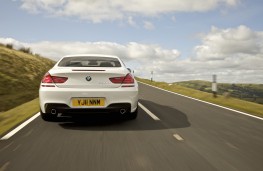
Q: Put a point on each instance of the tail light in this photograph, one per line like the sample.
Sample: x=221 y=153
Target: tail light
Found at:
x=53 y=79
x=47 y=78
x=59 y=79
x=128 y=79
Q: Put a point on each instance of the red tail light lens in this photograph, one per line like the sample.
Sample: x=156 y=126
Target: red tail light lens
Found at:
x=59 y=79
x=128 y=79
x=117 y=80
x=53 y=79
x=47 y=78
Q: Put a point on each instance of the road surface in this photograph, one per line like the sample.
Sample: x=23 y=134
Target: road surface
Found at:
x=185 y=135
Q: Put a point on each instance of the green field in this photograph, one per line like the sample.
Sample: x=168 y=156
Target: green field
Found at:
x=248 y=92
x=20 y=76
x=234 y=103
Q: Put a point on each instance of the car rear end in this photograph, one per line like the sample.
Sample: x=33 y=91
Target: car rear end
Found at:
x=84 y=84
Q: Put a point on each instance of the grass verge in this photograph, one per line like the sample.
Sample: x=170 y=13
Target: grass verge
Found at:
x=20 y=70
x=17 y=115
x=233 y=103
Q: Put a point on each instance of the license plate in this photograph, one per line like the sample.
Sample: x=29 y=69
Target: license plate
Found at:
x=88 y=102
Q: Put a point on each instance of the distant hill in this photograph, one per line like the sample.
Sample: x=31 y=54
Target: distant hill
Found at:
x=20 y=76
x=249 y=92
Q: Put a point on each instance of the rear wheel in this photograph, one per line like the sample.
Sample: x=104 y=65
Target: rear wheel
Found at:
x=133 y=115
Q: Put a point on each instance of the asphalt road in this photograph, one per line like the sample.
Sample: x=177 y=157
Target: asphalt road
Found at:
x=190 y=135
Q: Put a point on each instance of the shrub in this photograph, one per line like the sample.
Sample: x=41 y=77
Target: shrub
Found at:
x=9 y=46
x=25 y=50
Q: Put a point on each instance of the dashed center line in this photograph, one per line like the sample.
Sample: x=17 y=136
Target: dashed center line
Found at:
x=148 y=112
x=178 y=137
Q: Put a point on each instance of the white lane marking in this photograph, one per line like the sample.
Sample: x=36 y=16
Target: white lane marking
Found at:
x=11 y=133
x=243 y=113
x=178 y=137
x=148 y=112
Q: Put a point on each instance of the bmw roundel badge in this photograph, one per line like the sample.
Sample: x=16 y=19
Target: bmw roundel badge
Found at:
x=88 y=78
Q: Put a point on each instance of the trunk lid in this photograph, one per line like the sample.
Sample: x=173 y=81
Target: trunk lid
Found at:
x=88 y=77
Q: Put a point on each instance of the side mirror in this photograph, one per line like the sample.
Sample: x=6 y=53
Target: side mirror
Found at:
x=129 y=70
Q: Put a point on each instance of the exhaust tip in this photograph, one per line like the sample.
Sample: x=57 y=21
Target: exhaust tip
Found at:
x=122 y=111
x=53 y=111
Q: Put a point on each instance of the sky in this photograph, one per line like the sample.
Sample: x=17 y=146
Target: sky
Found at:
x=178 y=40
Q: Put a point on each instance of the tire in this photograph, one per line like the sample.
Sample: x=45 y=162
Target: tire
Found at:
x=133 y=115
x=47 y=117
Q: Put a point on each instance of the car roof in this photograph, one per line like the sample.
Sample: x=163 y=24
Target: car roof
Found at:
x=92 y=55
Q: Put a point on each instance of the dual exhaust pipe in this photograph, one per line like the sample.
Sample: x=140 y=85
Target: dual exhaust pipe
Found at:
x=123 y=111
x=53 y=111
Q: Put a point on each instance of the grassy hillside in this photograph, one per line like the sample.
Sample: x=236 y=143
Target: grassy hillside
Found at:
x=20 y=76
x=234 y=103
x=249 y=92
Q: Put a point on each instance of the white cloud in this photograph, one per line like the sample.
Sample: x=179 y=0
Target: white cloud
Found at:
x=131 y=51
x=148 y=25
x=234 y=54
x=16 y=44
x=35 y=6
x=131 y=22
x=101 y=10
x=226 y=43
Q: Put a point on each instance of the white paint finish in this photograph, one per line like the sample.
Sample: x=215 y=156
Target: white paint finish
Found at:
x=214 y=87
x=243 y=113
x=14 y=131
x=178 y=137
x=148 y=112
x=99 y=85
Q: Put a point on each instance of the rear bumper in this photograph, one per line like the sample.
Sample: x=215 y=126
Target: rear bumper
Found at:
x=61 y=99
x=64 y=110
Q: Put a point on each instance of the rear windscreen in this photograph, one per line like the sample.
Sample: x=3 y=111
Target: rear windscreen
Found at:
x=89 y=62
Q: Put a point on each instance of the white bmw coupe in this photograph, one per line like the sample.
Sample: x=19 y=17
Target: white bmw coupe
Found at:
x=83 y=84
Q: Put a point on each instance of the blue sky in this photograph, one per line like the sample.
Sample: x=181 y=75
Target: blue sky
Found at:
x=150 y=34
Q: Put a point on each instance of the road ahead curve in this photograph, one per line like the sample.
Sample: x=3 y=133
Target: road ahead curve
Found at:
x=189 y=135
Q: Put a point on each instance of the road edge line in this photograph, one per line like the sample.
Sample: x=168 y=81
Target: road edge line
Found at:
x=237 y=111
x=148 y=112
x=18 y=128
